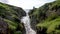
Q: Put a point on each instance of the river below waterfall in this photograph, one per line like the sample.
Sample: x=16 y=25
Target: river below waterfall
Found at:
x=26 y=21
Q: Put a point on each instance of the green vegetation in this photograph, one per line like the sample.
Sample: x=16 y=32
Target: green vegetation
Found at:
x=50 y=25
x=12 y=25
x=12 y=16
x=47 y=18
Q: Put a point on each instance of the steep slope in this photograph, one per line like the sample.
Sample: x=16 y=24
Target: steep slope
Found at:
x=46 y=18
x=12 y=16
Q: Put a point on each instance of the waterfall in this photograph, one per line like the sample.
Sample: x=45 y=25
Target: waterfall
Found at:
x=26 y=21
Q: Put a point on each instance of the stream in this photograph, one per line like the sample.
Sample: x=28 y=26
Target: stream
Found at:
x=26 y=21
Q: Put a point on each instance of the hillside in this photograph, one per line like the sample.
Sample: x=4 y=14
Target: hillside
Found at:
x=46 y=18
x=10 y=19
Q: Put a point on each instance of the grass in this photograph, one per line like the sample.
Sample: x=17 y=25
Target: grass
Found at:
x=50 y=25
x=12 y=25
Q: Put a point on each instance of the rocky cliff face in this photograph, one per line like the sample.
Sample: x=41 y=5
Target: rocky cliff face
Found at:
x=46 y=18
x=12 y=16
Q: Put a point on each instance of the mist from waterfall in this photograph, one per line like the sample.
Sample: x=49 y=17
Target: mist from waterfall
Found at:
x=26 y=21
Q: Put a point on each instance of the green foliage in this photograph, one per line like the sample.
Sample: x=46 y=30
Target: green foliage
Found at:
x=17 y=32
x=50 y=25
x=11 y=24
x=55 y=4
x=52 y=21
x=48 y=17
x=12 y=15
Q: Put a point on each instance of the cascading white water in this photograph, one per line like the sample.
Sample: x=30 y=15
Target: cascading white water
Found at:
x=26 y=21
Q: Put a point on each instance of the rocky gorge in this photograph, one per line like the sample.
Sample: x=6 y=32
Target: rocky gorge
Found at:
x=42 y=20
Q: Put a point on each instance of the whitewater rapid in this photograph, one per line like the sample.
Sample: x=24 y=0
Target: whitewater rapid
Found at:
x=26 y=21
